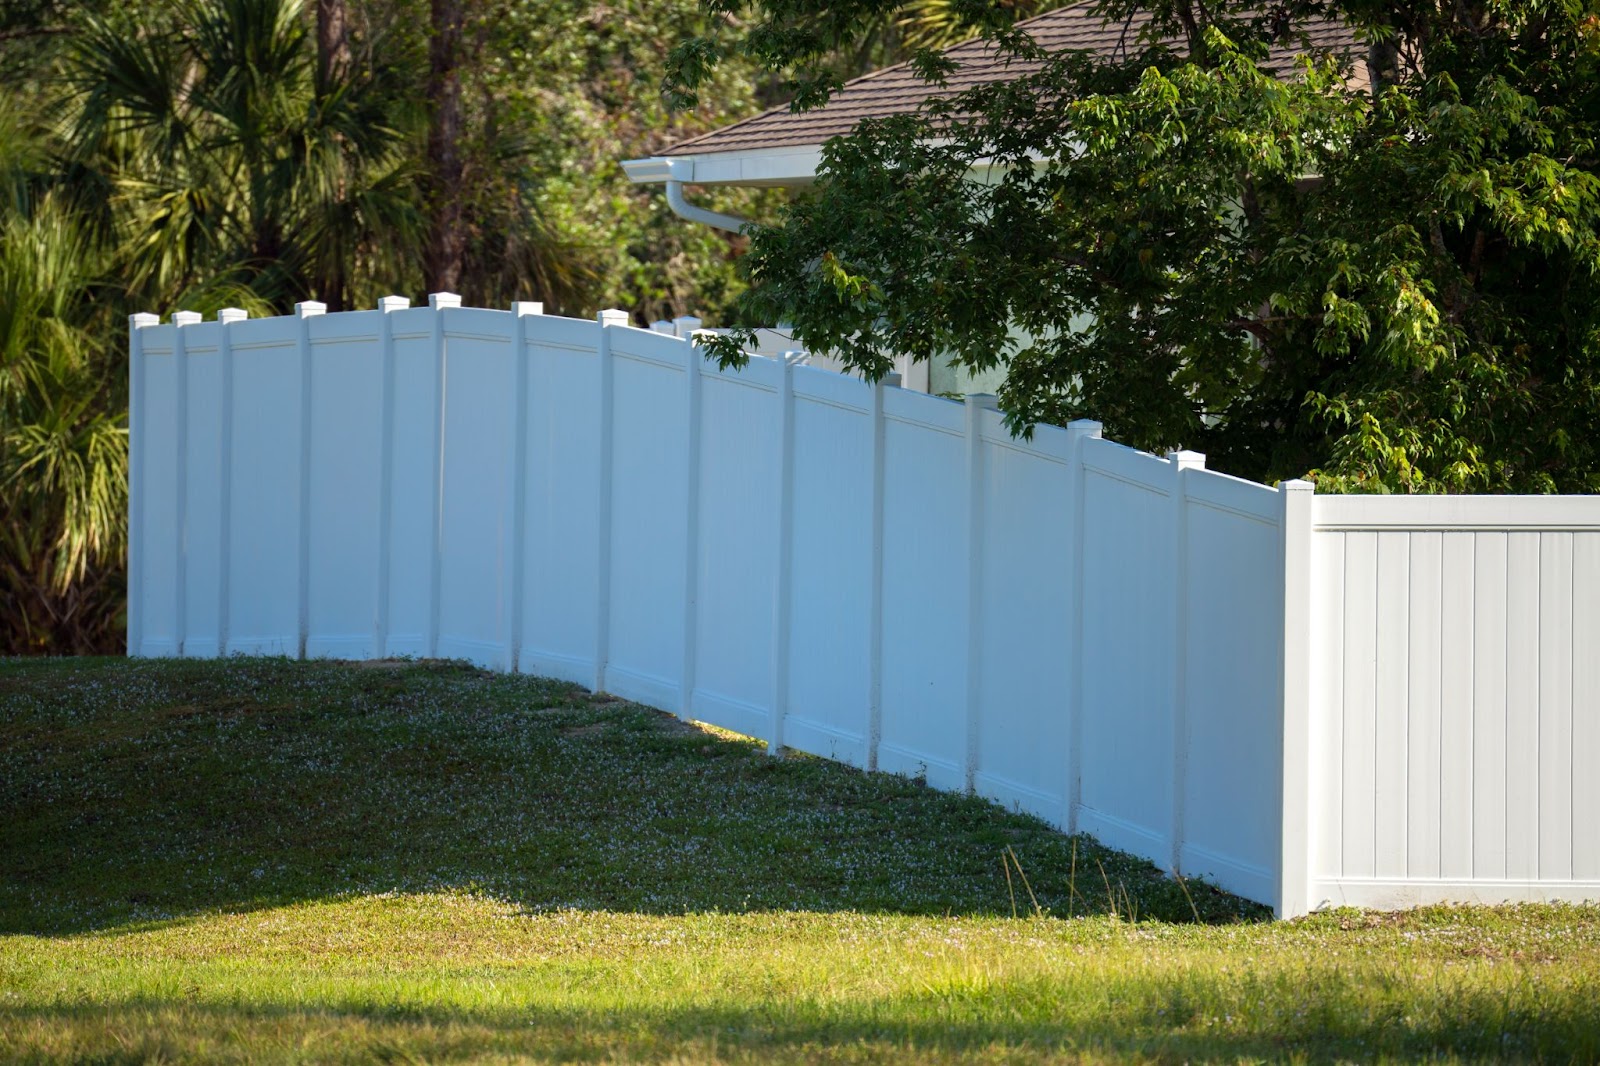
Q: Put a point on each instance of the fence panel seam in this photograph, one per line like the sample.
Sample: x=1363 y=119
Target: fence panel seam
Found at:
x=520 y=312
x=783 y=545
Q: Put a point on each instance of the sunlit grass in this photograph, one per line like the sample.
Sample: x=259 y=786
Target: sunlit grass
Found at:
x=270 y=861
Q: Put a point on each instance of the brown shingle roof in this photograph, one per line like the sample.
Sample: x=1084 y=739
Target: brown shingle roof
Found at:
x=896 y=90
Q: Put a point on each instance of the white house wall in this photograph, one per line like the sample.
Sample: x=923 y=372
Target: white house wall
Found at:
x=1305 y=700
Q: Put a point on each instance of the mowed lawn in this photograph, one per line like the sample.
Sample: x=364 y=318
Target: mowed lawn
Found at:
x=269 y=861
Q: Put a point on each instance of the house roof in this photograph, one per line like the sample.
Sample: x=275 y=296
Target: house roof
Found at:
x=897 y=90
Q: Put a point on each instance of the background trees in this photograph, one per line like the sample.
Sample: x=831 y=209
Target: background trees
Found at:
x=1394 y=288
x=204 y=153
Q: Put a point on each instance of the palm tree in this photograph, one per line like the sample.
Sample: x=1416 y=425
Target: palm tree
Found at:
x=226 y=156
x=63 y=441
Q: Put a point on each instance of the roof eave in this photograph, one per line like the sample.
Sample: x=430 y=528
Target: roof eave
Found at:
x=790 y=166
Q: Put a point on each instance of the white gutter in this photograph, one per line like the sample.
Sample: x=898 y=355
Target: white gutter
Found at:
x=674 y=172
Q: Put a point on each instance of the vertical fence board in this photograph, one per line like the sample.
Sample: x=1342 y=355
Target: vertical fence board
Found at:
x=1584 y=754
x=648 y=516
x=1489 y=707
x=831 y=604
x=1328 y=551
x=1553 y=773
x=384 y=533
x=202 y=489
x=1359 y=815
x=1390 y=710
x=924 y=635
x=1522 y=707
x=347 y=428
x=1231 y=799
x=1126 y=728
x=225 y=401
x=1457 y=593
x=561 y=527
x=411 y=526
x=477 y=458
x=263 y=616
x=1423 y=675
x=1025 y=602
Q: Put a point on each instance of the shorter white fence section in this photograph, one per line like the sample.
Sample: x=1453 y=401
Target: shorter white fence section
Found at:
x=1456 y=699
x=1305 y=700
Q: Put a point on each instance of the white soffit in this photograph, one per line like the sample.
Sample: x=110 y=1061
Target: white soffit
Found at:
x=758 y=167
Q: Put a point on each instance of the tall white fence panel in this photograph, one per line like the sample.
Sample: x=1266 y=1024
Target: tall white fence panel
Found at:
x=1306 y=700
x=830 y=664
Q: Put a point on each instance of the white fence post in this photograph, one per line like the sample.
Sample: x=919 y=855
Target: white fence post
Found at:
x=136 y=402
x=1295 y=845
x=1077 y=432
x=694 y=386
x=1182 y=463
x=380 y=634
x=180 y=356
x=438 y=302
x=520 y=310
x=976 y=404
x=875 y=610
x=305 y=311
x=227 y=316
x=684 y=326
x=607 y=367
x=784 y=544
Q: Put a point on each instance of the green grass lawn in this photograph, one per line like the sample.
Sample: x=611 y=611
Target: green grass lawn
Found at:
x=286 y=862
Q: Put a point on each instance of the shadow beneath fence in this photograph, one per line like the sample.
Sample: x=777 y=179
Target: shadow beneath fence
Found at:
x=135 y=791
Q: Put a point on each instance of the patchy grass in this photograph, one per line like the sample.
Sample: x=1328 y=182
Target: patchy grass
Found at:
x=260 y=860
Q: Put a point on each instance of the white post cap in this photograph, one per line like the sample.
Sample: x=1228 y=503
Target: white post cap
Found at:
x=441 y=300
x=308 y=308
x=1187 y=460
x=1085 y=427
x=393 y=303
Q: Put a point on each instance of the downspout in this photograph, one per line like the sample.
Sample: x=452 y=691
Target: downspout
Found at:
x=684 y=209
x=673 y=173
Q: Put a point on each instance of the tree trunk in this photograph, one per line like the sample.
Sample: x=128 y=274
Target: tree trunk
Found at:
x=333 y=42
x=446 y=249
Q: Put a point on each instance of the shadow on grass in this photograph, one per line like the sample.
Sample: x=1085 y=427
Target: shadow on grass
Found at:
x=1171 y=1019
x=137 y=791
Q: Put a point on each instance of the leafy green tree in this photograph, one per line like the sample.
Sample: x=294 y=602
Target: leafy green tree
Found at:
x=157 y=155
x=1395 y=287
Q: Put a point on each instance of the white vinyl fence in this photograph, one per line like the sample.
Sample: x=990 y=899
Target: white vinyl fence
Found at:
x=1304 y=699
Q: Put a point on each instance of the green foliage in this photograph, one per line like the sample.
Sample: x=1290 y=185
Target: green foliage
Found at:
x=63 y=443
x=1395 y=289
x=157 y=156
